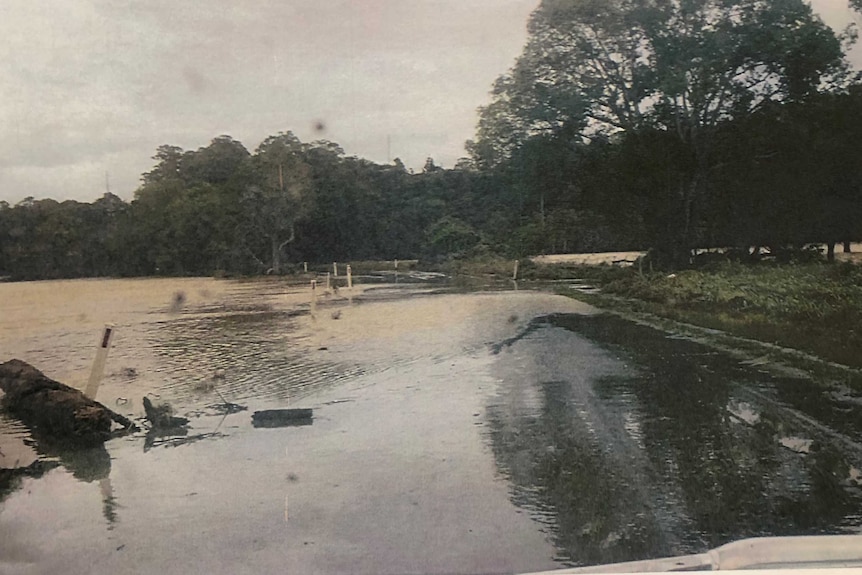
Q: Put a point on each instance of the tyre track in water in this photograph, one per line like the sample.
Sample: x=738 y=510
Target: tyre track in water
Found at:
x=631 y=443
x=571 y=441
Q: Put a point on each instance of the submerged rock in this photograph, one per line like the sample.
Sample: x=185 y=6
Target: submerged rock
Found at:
x=54 y=410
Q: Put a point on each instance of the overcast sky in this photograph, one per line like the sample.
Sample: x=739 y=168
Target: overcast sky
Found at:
x=94 y=86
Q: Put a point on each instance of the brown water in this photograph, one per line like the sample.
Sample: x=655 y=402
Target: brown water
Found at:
x=452 y=433
x=394 y=475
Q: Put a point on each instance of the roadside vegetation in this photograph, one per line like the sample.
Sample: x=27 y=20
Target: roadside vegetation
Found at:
x=811 y=307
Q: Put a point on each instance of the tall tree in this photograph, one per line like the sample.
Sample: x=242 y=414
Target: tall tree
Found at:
x=168 y=162
x=279 y=196
x=596 y=67
x=217 y=163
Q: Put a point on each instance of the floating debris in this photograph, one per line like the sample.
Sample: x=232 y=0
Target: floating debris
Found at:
x=337 y=401
x=282 y=417
x=226 y=408
x=58 y=412
x=161 y=416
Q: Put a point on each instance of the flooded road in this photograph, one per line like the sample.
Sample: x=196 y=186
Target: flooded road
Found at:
x=631 y=443
x=452 y=433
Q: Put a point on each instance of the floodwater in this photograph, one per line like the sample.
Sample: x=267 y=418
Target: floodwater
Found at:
x=453 y=433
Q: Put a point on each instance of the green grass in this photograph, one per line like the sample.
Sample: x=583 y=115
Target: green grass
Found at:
x=490 y=267
x=816 y=308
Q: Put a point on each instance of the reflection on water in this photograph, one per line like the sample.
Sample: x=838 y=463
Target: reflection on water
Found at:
x=175 y=438
x=16 y=446
x=88 y=465
x=656 y=446
x=572 y=450
x=20 y=449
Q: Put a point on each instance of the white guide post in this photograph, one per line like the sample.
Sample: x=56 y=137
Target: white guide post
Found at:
x=99 y=363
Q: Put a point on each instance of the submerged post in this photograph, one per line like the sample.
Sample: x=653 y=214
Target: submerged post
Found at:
x=327 y=280
x=349 y=277
x=99 y=363
x=515 y=272
x=313 y=305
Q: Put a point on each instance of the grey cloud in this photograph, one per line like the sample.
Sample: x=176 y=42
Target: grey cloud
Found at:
x=97 y=85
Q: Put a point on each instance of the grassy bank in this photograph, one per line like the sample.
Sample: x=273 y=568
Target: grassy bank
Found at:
x=816 y=308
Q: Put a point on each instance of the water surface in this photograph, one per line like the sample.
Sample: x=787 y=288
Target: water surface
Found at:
x=452 y=433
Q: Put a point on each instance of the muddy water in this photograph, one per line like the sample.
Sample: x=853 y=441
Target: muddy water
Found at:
x=452 y=433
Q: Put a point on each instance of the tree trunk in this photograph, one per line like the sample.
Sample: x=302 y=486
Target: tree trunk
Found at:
x=846 y=247
x=276 y=255
x=682 y=245
x=542 y=210
x=830 y=251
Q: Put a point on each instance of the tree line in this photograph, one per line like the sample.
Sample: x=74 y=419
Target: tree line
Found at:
x=668 y=125
x=222 y=209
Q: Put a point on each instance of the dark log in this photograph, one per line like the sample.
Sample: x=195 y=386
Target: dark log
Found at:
x=54 y=410
x=282 y=417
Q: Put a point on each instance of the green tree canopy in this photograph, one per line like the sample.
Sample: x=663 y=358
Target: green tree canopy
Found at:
x=594 y=68
x=684 y=65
